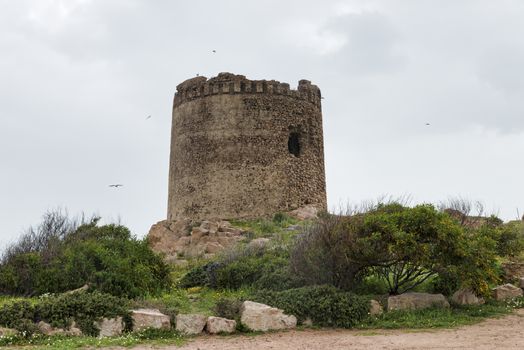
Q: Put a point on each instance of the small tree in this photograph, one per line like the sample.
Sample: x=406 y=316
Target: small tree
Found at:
x=403 y=246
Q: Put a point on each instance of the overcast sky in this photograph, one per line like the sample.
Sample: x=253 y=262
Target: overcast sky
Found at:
x=78 y=79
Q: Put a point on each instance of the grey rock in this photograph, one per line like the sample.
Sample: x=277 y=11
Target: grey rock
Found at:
x=215 y=325
x=506 y=291
x=375 y=308
x=415 y=301
x=190 y=324
x=110 y=327
x=149 y=318
x=466 y=297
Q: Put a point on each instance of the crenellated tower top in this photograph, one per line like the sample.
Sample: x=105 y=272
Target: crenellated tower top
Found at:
x=228 y=83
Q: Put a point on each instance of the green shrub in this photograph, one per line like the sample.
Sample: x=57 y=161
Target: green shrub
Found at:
x=203 y=276
x=446 y=283
x=403 y=246
x=13 y=313
x=228 y=308
x=106 y=257
x=61 y=310
x=326 y=306
x=261 y=268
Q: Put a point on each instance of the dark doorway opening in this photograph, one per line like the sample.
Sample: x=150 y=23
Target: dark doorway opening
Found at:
x=293 y=144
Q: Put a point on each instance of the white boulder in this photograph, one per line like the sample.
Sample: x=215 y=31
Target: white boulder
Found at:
x=261 y=317
x=149 y=318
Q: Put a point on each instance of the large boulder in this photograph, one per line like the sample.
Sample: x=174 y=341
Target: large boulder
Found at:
x=415 y=301
x=215 y=325
x=149 y=318
x=375 y=308
x=110 y=327
x=506 y=291
x=190 y=324
x=261 y=317
x=466 y=296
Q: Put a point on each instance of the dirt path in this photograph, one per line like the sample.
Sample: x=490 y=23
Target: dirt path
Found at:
x=503 y=333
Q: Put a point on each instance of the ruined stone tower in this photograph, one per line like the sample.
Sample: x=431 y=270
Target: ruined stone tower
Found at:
x=245 y=148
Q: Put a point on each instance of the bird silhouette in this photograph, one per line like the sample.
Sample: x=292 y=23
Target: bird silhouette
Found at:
x=214 y=51
x=148 y=117
x=116 y=185
x=427 y=124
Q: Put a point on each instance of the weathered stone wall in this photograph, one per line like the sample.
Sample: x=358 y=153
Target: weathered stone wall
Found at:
x=232 y=146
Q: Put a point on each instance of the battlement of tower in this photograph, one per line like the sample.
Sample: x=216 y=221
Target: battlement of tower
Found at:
x=228 y=83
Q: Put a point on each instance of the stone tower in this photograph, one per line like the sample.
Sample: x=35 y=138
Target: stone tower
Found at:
x=245 y=148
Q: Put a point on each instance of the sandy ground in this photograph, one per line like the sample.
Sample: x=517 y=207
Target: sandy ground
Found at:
x=503 y=333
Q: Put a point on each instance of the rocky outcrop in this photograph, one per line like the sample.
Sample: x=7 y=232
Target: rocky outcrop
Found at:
x=466 y=297
x=190 y=324
x=110 y=327
x=506 y=291
x=181 y=239
x=375 y=308
x=216 y=325
x=415 y=301
x=149 y=318
x=261 y=317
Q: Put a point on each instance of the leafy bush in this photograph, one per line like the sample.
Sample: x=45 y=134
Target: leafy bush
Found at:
x=403 y=246
x=510 y=238
x=228 y=308
x=326 y=306
x=106 y=257
x=259 y=267
x=61 y=310
x=251 y=269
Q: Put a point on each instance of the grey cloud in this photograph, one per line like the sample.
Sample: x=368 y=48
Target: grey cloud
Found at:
x=76 y=86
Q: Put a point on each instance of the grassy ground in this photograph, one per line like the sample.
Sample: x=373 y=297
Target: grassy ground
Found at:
x=40 y=342
x=441 y=318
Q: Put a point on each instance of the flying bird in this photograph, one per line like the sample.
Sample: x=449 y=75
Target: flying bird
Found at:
x=148 y=117
x=427 y=124
x=116 y=185
x=214 y=51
